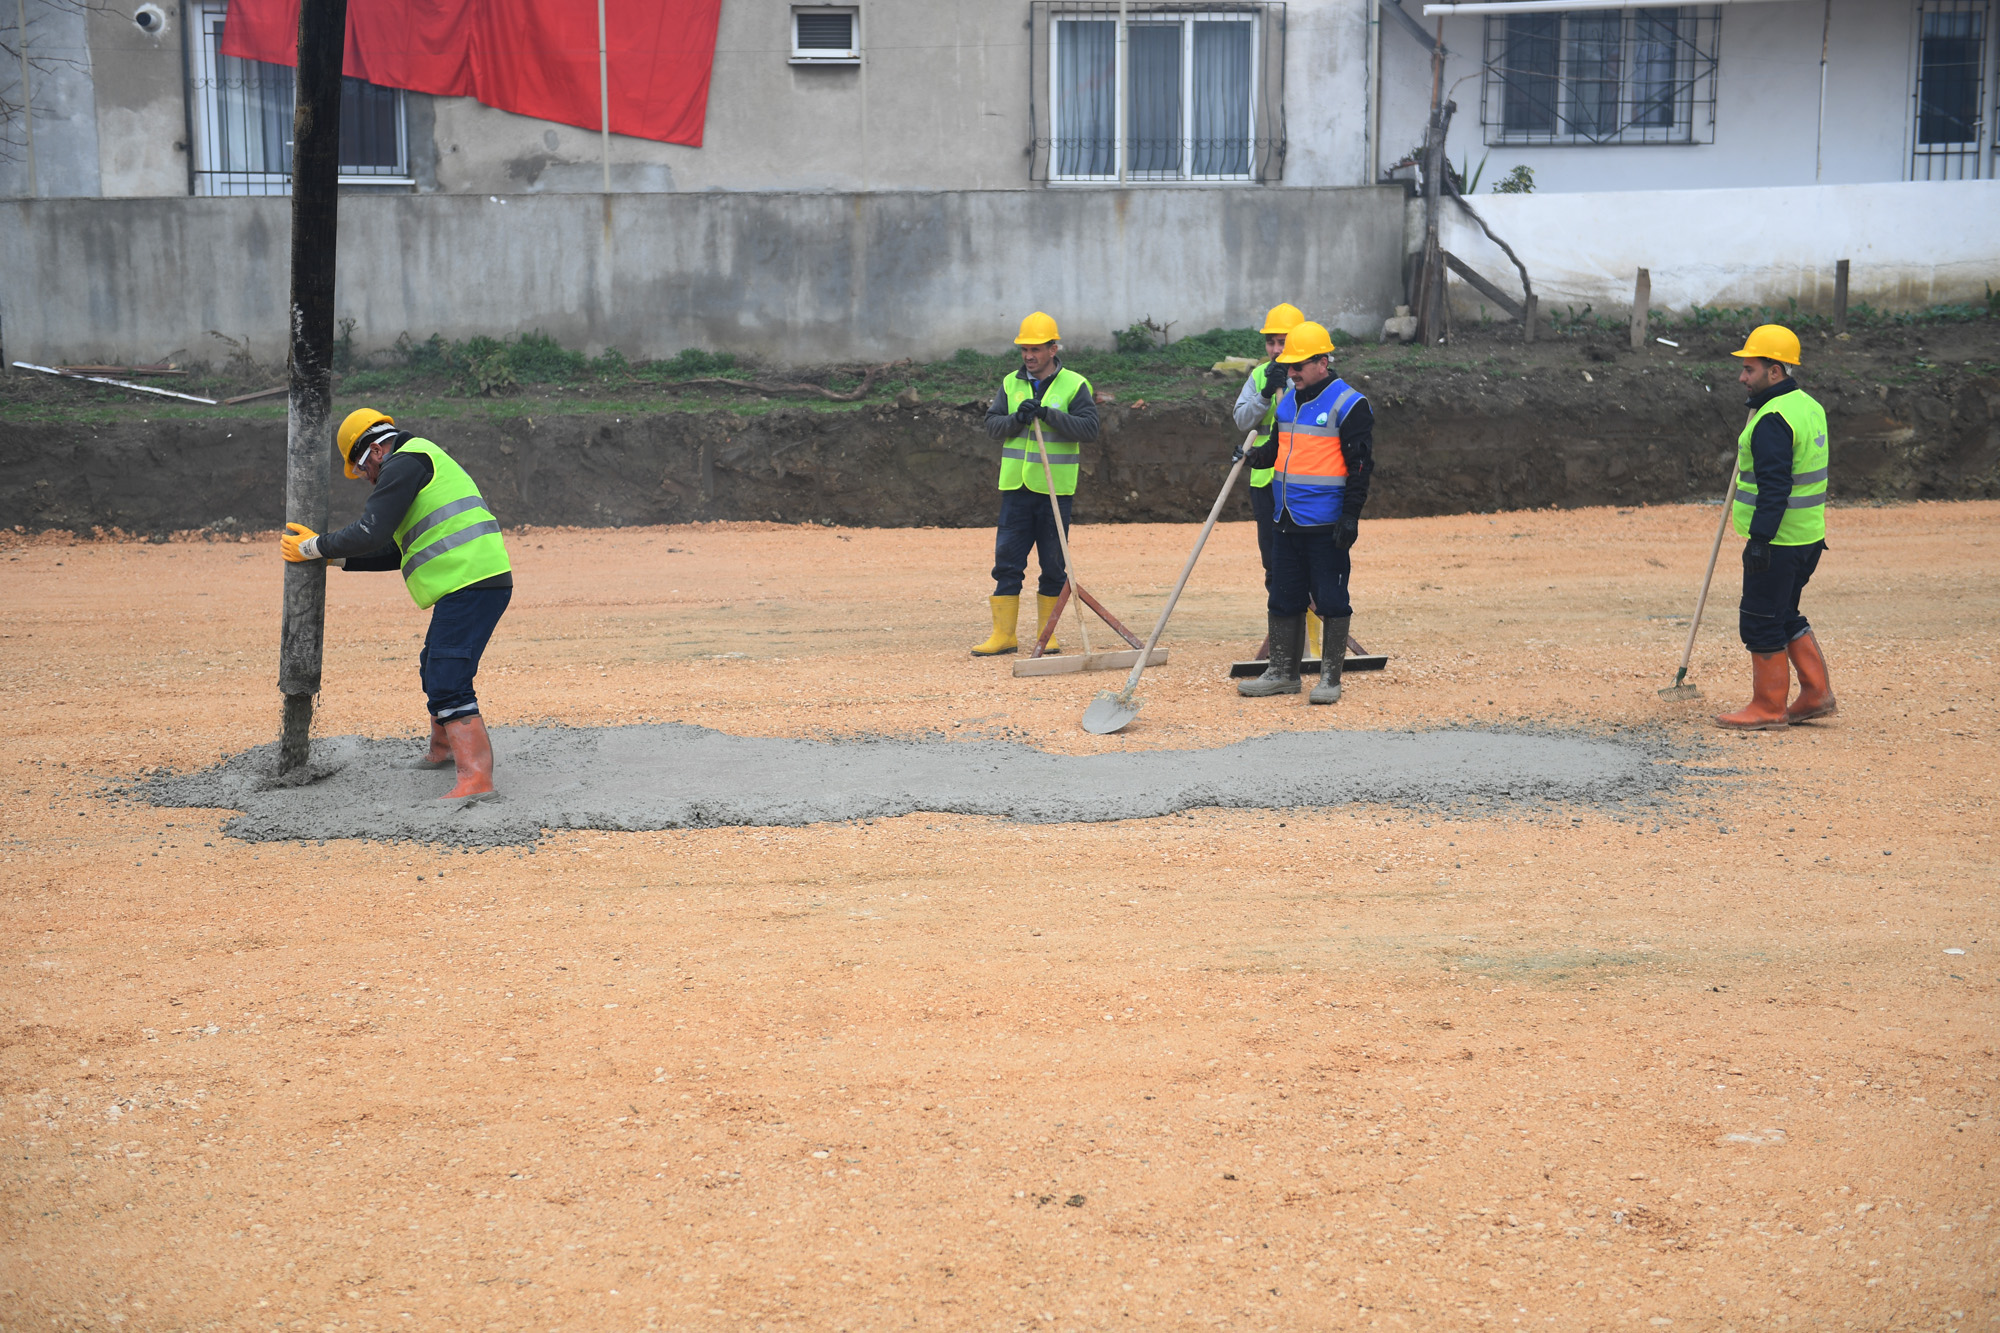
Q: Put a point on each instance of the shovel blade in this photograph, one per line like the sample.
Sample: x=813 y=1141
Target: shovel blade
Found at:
x=1108 y=713
x=1674 y=694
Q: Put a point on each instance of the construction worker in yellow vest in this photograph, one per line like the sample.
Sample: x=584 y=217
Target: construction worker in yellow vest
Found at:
x=426 y=518
x=1256 y=409
x=1042 y=390
x=1780 y=512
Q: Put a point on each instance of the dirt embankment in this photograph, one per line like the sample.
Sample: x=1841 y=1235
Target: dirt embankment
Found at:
x=1515 y=428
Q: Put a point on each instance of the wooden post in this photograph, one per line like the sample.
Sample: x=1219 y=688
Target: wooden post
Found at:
x=1642 y=301
x=1840 y=297
x=309 y=417
x=1430 y=285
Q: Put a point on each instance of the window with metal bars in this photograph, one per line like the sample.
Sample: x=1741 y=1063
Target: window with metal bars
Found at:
x=1949 y=139
x=241 y=111
x=1203 y=92
x=1602 y=76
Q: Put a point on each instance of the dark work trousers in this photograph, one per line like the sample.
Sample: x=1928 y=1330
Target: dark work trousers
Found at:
x=1262 y=507
x=461 y=624
x=1769 y=618
x=1308 y=568
x=1025 y=523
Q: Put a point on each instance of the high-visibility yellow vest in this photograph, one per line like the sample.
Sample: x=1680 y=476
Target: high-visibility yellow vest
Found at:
x=449 y=538
x=1805 y=508
x=1020 y=460
x=1261 y=476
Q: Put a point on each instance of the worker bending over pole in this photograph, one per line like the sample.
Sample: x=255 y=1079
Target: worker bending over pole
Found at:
x=426 y=518
x=1780 y=512
x=1041 y=390
x=1322 y=453
x=1256 y=408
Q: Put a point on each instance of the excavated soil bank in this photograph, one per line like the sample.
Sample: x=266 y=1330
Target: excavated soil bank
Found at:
x=646 y=778
x=1484 y=425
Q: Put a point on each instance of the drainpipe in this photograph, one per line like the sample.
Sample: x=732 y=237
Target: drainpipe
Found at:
x=1122 y=82
x=1819 y=136
x=1374 y=92
x=604 y=96
x=27 y=99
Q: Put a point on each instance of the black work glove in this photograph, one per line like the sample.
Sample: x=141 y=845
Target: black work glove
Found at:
x=1276 y=380
x=1757 y=557
x=1023 y=414
x=1348 y=532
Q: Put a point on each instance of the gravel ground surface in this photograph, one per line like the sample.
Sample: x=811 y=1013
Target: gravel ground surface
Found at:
x=1728 y=1065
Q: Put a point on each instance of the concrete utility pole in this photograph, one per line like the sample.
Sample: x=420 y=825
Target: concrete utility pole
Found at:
x=309 y=419
x=27 y=99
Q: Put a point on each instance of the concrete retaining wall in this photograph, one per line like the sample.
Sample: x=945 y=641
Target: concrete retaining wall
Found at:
x=1911 y=245
x=793 y=278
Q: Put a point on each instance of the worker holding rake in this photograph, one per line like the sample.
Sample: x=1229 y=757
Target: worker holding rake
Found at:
x=427 y=519
x=1322 y=456
x=1256 y=410
x=1041 y=390
x=1779 y=510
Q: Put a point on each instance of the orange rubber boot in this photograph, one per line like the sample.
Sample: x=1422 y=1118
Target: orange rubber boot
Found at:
x=438 y=756
x=472 y=752
x=1815 y=690
x=1771 y=679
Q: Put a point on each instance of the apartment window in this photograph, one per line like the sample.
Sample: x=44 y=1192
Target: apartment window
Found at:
x=242 y=114
x=825 y=36
x=1950 y=100
x=1602 y=76
x=1199 y=96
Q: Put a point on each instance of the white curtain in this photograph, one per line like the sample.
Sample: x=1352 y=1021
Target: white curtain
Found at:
x=1221 y=99
x=1086 y=98
x=1153 y=121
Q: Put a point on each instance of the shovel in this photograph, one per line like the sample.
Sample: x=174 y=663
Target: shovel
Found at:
x=1680 y=690
x=1110 y=712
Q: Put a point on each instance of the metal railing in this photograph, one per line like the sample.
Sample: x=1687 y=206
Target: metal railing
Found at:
x=1612 y=76
x=1950 y=129
x=1203 y=83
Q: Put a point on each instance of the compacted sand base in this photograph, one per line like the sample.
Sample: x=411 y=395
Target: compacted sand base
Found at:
x=1721 y=1058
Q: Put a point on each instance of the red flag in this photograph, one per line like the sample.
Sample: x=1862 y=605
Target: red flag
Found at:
x=532 y=57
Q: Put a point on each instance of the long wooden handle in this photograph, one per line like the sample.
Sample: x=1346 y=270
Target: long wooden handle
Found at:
x=1215 y=512
x=1687 y=653
x=1062 y=535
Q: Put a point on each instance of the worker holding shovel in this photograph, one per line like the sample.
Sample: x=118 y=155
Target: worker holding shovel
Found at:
x=426 y=518
x=1322 y=454
x=1041 y=390
x=1779 y=509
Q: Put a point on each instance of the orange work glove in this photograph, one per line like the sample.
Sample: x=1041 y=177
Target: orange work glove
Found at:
x=299 y=543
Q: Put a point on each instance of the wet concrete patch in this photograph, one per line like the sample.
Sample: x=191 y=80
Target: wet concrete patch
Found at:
x=677 y=776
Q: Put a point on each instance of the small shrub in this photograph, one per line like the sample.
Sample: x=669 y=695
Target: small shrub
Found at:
x=690 y=362
x=1518 y=180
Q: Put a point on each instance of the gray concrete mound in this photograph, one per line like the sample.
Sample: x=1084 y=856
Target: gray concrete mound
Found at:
x=676 y=776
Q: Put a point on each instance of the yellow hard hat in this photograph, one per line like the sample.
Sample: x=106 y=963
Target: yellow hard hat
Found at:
x=1305 y=341
x=1283 y=318
x=355 y=425
x=1773 y=342
x=1037 y=329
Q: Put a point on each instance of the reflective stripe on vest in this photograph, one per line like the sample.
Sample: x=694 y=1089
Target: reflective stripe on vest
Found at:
x=1261 y=476
x=1311 y=470
x=1805 y=508
x=1020 y=460
x=449 y=538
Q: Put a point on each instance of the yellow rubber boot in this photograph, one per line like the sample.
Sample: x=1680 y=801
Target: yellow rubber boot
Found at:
x=1006 y=614
x=1312 y=630
x=1044 y=605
